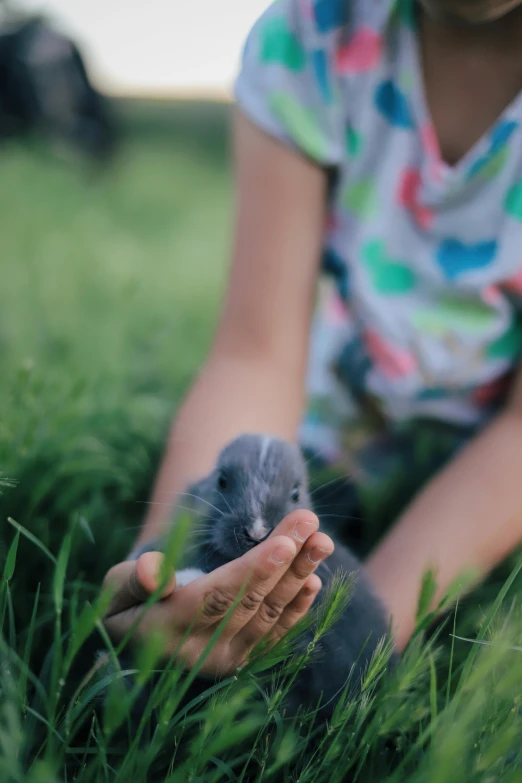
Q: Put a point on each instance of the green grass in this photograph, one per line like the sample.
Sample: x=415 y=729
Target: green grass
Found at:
x=109 y=289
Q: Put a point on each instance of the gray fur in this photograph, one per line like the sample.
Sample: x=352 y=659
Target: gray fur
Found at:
x=262 y=478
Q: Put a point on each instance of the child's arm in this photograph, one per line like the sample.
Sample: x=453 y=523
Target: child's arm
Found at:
x=468 y=516
x=254 y=377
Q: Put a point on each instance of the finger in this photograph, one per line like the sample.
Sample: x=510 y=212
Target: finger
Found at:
x=298 y=525
x=317 y=548
x=132 y=582
x=296 y=609
x=121 y=622
x=151 y=572
x=252 y=577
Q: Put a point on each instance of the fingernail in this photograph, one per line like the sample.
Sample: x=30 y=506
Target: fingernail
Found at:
x=316 y=554
x=302 y=530
x=282 y=554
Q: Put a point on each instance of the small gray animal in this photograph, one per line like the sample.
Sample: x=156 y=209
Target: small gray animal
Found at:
x=256 y=482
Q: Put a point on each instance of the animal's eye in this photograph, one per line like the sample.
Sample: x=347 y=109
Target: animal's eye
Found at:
x=222 y=480
x=296 y=494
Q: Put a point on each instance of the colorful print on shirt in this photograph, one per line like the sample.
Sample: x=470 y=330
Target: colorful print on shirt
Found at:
x=426 y=257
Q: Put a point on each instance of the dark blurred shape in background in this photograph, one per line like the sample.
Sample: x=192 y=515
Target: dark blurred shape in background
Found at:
x=45 y=89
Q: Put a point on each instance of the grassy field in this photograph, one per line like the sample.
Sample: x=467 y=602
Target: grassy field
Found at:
x=109 y=289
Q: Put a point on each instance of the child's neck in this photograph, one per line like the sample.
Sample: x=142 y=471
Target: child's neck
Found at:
x=471 y=17
x=503 y=33
x=471 y=75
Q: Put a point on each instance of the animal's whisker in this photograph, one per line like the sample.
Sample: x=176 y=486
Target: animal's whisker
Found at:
x=322 y=506
x=175 y=508
x=342 y=484
x=313 y=455
x=152 y=503
x=327 y=484
x=194 y=528
x=201 y=534
x=197 y=547
x=226 y=501
x=202 y=538
x=197 y=497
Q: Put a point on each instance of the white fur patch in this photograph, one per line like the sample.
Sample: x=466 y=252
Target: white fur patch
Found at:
x=187 y=575
x=265 y=445
x=258 y=530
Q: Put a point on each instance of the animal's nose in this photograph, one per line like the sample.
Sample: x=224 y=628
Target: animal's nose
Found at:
x=258 y=530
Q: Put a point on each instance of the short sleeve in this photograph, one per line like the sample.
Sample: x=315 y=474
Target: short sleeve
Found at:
x=287 y=84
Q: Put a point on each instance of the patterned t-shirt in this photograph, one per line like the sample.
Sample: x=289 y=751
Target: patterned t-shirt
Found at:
x=426 y=257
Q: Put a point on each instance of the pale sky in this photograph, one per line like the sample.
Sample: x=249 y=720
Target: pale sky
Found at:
x=158 y=46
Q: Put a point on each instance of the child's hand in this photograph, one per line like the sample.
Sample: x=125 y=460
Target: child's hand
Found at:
x=280 y=588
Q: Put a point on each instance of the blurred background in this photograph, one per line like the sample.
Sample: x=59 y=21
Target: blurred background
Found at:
x=158 y=48
x=115 y=220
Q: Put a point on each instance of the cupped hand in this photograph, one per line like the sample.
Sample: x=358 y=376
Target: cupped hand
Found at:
x=276 y=579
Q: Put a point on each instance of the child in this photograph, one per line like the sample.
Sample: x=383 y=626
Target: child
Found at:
x=384 y=138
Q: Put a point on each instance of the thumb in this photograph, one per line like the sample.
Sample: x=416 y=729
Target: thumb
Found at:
x=133 y=581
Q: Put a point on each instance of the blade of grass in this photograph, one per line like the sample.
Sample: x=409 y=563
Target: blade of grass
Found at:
x=484 y=643
x=433 y=690
x=487 y=622
x=10 y=561
x=452 y=652
x=57 y=674
x=29 y=647
x=59 y=573
x=11 y=616
x=32 y=539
